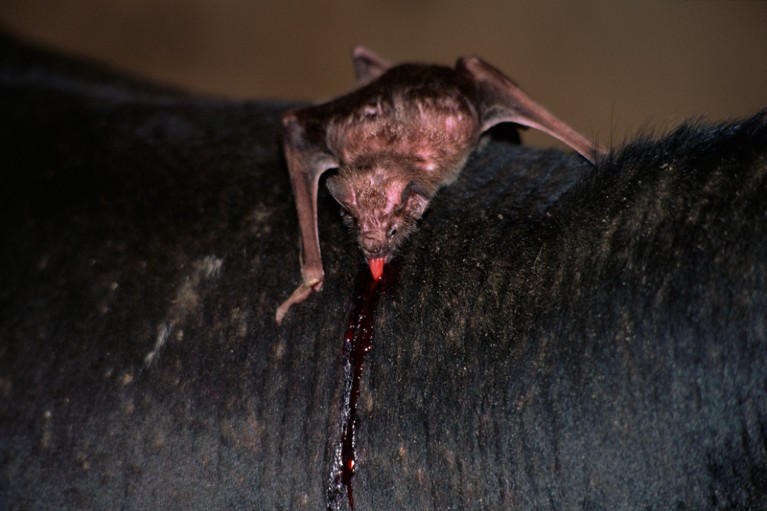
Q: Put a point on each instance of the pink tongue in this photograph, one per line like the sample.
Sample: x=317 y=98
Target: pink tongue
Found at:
x=376 y=267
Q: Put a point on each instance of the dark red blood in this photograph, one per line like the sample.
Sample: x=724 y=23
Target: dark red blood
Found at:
x=358 y=341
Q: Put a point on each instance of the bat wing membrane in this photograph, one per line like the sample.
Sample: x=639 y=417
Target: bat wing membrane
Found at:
x=501 y=100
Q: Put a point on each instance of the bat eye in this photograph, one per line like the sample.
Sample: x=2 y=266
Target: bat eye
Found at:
x=370 y=110
x=393 y=232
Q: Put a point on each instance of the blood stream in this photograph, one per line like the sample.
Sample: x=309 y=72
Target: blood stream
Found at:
x=358 y=341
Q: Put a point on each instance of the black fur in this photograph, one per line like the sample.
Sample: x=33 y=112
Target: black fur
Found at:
x=558 y=338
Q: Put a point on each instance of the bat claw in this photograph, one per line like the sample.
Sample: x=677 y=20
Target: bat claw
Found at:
x=315 y=284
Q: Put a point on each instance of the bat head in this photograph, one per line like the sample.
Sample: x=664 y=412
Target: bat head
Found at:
x=381 y=207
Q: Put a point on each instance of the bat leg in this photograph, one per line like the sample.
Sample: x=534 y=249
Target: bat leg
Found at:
x=501 y=100
x=307 y=160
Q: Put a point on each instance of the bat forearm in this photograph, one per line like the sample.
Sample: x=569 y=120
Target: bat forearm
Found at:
x=305 y=167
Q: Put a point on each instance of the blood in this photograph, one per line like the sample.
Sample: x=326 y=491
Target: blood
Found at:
x=358 y=341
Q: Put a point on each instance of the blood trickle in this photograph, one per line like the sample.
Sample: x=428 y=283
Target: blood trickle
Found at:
x=358 y=341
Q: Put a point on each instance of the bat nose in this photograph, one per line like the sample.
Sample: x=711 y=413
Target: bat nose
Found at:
x=374 y=246
x=376 y=250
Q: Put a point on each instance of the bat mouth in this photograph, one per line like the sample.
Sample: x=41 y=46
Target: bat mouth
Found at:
x=376 y=265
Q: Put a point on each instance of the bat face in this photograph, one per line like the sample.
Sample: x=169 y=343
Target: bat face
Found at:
x=379 y=205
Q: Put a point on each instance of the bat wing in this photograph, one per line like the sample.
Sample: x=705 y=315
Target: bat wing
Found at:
x=307 y=159
x=501 y=100
x=367 y=65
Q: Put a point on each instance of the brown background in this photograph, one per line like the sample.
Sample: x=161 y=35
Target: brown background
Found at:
x=612 y=69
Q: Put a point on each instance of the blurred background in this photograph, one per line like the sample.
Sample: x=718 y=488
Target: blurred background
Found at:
x=611 y=69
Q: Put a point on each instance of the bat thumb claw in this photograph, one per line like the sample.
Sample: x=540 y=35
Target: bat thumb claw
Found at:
x=301 y=293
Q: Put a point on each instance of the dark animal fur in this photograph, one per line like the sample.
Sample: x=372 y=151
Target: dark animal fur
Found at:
x=559 y=337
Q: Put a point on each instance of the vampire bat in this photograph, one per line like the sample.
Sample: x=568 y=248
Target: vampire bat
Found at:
x=400 y=135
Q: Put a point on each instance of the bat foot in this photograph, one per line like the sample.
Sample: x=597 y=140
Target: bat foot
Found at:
x=301 y=293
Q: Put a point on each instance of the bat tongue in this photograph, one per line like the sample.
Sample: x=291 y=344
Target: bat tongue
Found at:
x=376 y=267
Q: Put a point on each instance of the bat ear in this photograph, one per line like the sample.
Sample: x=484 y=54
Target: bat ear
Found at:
x=340 y=192
x=414 y=200
x=367 y=65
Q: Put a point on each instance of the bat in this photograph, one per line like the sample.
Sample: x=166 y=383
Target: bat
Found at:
x=401 y=134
